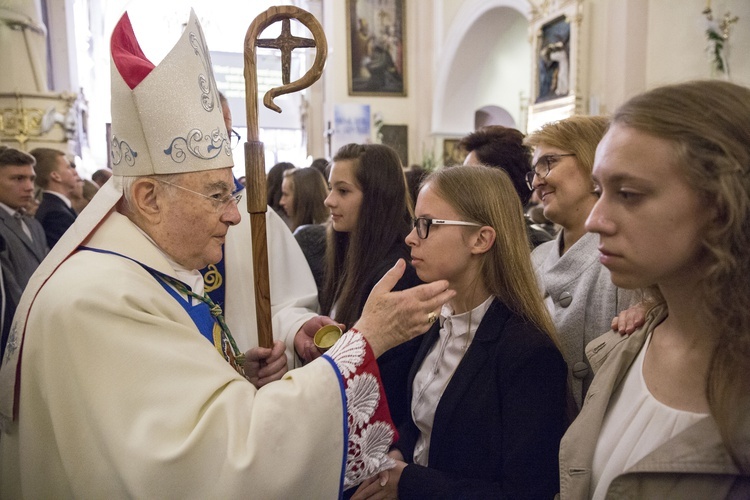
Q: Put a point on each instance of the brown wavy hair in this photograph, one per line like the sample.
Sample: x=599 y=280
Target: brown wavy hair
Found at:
x=708 y=122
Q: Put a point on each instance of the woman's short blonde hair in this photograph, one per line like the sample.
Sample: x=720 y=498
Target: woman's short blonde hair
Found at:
x=578 y=135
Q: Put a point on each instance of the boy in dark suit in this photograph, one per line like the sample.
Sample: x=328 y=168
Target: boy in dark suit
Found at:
x=22 y=241
x=58 y=179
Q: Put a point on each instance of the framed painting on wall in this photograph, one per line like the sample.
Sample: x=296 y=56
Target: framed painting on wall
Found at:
x=556 y=87
x=453 y=154
x=553 y=77
x=376 y=47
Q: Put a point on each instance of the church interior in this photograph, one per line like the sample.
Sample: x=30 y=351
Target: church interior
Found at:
x=452 y=66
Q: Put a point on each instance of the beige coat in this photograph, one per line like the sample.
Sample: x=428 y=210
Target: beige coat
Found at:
x=693 y=464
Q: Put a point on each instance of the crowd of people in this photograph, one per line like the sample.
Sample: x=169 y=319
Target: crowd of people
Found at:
x=41 y=195
x=482 y=355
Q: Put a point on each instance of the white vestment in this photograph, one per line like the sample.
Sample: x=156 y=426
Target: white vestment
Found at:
x=120 y=396
x=294 y=296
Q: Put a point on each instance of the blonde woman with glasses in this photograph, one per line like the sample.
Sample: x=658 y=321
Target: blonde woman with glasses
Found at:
x=488 y=385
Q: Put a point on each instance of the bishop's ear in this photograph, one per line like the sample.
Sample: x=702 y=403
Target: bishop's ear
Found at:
x=147 y=198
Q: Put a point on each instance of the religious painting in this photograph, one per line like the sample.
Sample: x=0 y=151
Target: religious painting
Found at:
x=553 y=61
x=376 y=47
x=557 y=89
x=453 y=154
x=397 y=137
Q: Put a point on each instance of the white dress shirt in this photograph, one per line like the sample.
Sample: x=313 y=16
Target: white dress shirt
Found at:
x=456 y=334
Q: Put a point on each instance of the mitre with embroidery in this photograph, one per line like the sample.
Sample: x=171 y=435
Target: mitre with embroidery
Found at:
x=165 y=119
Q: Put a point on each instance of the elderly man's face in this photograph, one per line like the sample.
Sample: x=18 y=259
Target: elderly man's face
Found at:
x=193 y=228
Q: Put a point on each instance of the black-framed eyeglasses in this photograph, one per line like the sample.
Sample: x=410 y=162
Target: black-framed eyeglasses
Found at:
x=234 y=138
x=542 y=167
x=422 y=225
x=219 y=202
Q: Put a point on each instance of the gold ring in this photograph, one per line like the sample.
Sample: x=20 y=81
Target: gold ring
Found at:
x=431 y=317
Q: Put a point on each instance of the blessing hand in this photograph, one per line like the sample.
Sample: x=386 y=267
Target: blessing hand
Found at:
x=391 y=318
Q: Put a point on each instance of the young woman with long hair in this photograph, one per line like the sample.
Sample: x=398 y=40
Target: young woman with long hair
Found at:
x=669 y=412
x=488 y=385
x=370 y=216
x=303 y=194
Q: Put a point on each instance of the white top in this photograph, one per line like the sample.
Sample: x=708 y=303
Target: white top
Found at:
x=635 y=425
x=191 y=277
x=437 y=369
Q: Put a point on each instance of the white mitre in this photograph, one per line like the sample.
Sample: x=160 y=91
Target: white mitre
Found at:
x=165 y=120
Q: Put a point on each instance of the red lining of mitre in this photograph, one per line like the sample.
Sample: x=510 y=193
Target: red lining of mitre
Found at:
x=129 y=59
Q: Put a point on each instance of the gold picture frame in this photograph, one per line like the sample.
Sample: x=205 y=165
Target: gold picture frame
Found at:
x=556 y=86
x=453 y=153
x=376 y=48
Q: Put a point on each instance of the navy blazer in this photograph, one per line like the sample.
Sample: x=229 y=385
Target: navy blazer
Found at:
x=498 y=425
x=55 y=217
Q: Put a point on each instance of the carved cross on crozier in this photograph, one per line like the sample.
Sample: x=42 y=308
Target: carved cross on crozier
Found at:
x=254 y=154
x=286 y=43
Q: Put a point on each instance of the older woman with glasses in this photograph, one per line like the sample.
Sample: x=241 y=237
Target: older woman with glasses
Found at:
x=488 y=385
x=577 y=289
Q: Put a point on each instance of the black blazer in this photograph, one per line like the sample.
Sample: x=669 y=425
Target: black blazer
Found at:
x=498 y=425
x=394 y=364
x=55 y=217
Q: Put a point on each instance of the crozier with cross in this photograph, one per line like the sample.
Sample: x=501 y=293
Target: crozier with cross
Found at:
x=255 y=172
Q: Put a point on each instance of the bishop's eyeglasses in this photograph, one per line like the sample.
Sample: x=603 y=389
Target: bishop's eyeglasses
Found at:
x=422 y=225
x=219 y=202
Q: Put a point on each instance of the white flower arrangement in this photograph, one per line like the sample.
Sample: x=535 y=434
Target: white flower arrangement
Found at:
x=717 y=37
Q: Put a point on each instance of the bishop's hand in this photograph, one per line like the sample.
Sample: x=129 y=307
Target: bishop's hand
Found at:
x=263 y=365
x=391 y=318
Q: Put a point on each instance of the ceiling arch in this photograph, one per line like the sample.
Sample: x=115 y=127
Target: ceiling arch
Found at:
x=455 y=75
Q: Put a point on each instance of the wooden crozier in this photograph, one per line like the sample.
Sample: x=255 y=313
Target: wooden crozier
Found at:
x=255 y=171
